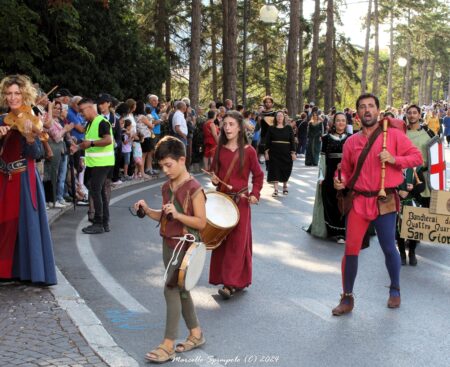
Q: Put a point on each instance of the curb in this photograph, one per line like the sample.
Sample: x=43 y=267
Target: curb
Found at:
x=83 y=317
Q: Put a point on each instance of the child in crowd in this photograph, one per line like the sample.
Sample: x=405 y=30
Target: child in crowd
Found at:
x=127 y=140
x=176 y=221
x=137 y=156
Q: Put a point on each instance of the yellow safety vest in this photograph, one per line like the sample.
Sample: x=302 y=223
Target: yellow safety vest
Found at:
x=98 y=156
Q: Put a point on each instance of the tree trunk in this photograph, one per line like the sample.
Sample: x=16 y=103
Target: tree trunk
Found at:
x=225 y=50
x=160 y=23
x=430 y=89
x=300 y=60
x=314 y=54
x=420 y=70
x=423 y=82
x=291 y=64
x=334 y=82
x=213 y=53
x=366 y=50
x=391 y=59
x=229 y=49
x=168 y=57
x=232 y=43
x=448 y=89
x=376 y=53
x=194 y=57
x=329 y=57
x=266 y=66
x=406 y=92
x=244 y=55
x=161 y=19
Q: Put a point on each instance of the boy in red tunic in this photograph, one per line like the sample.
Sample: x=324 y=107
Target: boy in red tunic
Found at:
x=183 y=211
x=231 y=262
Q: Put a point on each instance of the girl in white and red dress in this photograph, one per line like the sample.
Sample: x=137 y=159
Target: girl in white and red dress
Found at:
x=231 y=262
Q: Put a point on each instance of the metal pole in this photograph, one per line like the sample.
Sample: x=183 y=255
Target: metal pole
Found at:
x=244 y=61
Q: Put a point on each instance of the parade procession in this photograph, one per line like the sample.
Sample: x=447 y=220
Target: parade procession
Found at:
x=225 y=183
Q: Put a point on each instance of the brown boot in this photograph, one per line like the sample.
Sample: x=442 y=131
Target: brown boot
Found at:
x=394 y=301
x=345 y=306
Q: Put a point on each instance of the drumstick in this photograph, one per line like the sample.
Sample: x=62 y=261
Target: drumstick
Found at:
x=229 y=187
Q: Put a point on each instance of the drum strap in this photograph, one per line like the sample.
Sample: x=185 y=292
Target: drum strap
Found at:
x=231 y=166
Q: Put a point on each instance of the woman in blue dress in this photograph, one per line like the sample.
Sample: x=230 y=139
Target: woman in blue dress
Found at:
x=26 y=250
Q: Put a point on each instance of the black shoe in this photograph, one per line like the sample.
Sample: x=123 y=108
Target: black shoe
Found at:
x=93 y=229
x=106 y=228
x=403 y=258
x=412 y=259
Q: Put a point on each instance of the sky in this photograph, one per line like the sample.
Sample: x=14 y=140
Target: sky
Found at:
x=352 y=16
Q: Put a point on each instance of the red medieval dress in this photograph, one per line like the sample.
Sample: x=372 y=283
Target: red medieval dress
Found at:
x=26 y=251
x=231 y=262
x=208 y=138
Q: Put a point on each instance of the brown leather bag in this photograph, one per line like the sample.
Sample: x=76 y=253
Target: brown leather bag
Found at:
x=389 y=204
x=345 y=201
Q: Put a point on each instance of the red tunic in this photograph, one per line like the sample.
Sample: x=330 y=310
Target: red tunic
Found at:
x=208 y=138
x=231 y=262
x=397 y=143
x=184 y=195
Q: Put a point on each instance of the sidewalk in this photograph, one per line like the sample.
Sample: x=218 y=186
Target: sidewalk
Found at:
x=36 y=329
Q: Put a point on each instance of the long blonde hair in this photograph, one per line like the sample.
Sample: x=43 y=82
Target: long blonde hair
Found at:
x=29 y=92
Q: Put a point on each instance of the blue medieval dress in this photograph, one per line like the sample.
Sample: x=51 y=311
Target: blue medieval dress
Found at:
x=26 y=249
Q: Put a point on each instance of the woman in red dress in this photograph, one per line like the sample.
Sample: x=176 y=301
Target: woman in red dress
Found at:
x=210 y=139
x=231 y=262
x=26 y=249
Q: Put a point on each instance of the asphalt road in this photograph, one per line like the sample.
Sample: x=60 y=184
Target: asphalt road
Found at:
x=284 y=318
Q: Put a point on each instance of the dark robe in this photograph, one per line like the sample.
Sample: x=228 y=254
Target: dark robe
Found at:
x=280 y=143
x=332 y=153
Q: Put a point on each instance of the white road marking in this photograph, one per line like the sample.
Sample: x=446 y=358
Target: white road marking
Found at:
x=96 y=268
x=434 y=263
x=315 y=307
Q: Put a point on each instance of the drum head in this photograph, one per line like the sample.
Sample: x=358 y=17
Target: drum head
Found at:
x=195 y=266
x=221 y=211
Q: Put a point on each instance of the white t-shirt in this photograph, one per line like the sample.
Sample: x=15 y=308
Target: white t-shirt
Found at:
x=178 y=119
x=133 y=123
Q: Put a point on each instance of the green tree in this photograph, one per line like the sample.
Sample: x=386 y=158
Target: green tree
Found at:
x=22 y=46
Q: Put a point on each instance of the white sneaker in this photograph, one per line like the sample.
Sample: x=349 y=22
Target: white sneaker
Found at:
x=341 y=241
x=59 y=205
x=116 y=183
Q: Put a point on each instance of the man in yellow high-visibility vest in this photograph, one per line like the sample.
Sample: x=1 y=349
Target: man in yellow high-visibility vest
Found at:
x=99 y=159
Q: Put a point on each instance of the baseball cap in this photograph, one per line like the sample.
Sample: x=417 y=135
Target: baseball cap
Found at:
x=104 y=97
x=63 y=92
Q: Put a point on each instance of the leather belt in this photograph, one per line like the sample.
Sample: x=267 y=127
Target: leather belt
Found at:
x=334 y=155
x=371 y=194
x=236 y=196
x=13 y=168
